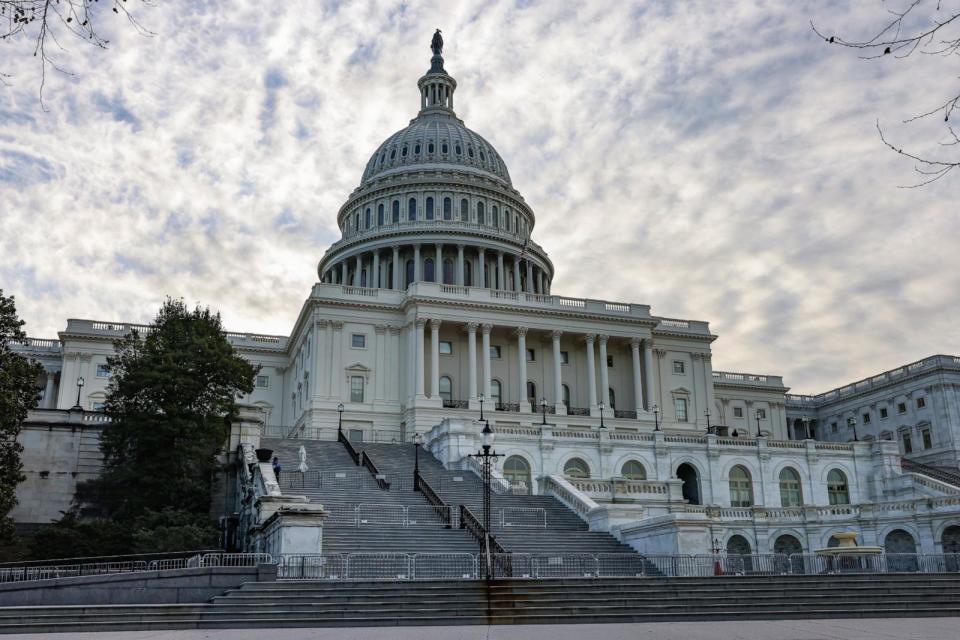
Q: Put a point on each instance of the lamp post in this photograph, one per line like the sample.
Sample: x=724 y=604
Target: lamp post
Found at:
x=656 y=418
x=80 y=383
x=543 y=409
x=601 y=407
x=480 y=400
x=340 y=419
x=486 y=457
x=758 y=424
x=417 y=439
x=706 y=412
x=853 y=423
x=717 y=569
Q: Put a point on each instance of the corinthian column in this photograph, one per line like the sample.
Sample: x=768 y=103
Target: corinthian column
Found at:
x=604 y=375
x=420 y=322
x=591 y=372
x=522 y=367
x=396 y=267
x=482 y=270
x=557 y=381
x=637 y=380
x=459 y=281
x=434 y=358
x=472 y=356
x=487 y=386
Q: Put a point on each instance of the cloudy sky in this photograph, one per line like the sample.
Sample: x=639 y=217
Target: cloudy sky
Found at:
x=712 y=159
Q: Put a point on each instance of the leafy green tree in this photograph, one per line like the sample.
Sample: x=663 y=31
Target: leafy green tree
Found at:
x=171 y=399
x=18 y=394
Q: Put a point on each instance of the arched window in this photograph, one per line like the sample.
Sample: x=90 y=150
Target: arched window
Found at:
x=901 y=550
x=410 y=272
x=787 y=545
x=613 y=399
x=741 y=488
x=448 y=273
x=576 y=468
x=566 y=395
x=430 y=148
x=737 y=545
x=791 y=493
x=507 y=221
x=428 y=270
x=532 y=394
x=416 y=149
x=458 y=150
x=363 y=278
x=447 y=209
x=691 y=483
x=380 y=219
x=429 y=208
x=495 y=391
x=516 y=471
x=446 y=388
x=444 y=148
x=480 y=217
x=516 y=224
x=412 y=209
x=403 y=152
x=495 y=216
x=467 y=274
x=633 y=470
x=368 y=218
x=396 y=211
x=464 y=210
x=837 y=489
x=356 y=222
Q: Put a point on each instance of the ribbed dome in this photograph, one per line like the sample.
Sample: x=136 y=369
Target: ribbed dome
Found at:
x=435 y=140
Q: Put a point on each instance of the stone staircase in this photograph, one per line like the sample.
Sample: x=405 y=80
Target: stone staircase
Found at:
x=354 y=604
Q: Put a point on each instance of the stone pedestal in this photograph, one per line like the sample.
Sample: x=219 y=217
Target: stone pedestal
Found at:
x=289 y=525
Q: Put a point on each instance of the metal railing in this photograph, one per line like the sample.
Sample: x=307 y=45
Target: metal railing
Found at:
x=456 y=404
x=370 y=466
x=391 y=515
x=507 y=406
x=443 y=510
x=578 y=411
x=79 y=569
x=523 y=518
x=354 y=454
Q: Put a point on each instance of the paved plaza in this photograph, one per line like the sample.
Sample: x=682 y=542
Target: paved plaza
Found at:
x=846 y=629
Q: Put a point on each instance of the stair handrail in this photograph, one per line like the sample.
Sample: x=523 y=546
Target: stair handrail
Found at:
x=571 y=497
x=368 y=462
x=493 y=552
x=439 y=505
x=933 y=472
x=345 y=441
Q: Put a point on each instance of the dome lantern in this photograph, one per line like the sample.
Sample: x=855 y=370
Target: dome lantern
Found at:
x=436 y=87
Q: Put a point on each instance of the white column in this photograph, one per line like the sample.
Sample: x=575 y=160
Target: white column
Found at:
x=482 y=264
x=418 y=346
x=708 y=377
x=336 y=356
x=530 y=287
x=356 y=273
x=460 y=280
x=501 y=281
x=344 y=272
x=591 y=373
x=396 y=267
x=416 y=263
x=604 y=375
x=487 y=387
x=650 y=376
x=637 y=379
x=379 y=374
x=374 y=279
x=438 y=265
x=516 y=274
x=557 y=381
x=49 y=402
x=434 y=358
x=472 y=355
x=522 y=365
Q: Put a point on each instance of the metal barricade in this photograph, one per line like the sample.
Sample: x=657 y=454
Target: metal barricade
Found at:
x=523 y=517
x=621 y=565
x=565 y=565
x=379 y=566
x=749 y=564
x=235 y=559
x=429 y=515
x=343 y=479
x=511 y=565
x=445 y=566
x=381 y=514
x=343 y=514
x=312 y=567
x=672 y=566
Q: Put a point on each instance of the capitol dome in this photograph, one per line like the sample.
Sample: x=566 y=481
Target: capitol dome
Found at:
x=436 y=204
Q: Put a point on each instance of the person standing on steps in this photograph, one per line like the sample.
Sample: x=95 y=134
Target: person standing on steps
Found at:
x=277 y=468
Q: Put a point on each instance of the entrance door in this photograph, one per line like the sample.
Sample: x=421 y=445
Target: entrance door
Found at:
x=691 y=483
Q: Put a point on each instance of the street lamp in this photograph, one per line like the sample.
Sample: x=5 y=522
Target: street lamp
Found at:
x=758 y=424
x=706 y=412
x=481 y=399
x=417 y=439
x=656 y=418
x=853 y=423
x=79 y=386
x=543 y=409
x=486 y=457
x=340 y=418
x=601 y=407
x=717 y=569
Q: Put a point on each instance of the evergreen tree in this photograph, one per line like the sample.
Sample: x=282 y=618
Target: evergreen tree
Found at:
x=18 y=394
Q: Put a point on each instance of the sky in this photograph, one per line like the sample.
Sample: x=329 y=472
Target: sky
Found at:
x=715 y=160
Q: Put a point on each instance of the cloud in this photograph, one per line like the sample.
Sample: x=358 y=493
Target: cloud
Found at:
x=713 y=160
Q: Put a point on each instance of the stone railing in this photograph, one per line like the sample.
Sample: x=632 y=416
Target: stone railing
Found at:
x=621 y=486
x=574 y=499
x=875 y=382
x=40 y=344
x=121 y=329
x=750 y=379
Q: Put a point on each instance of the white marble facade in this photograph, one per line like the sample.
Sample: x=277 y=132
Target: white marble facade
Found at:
x=436 y=304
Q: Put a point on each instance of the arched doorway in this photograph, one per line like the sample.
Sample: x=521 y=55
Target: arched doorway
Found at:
x=691 y=483
x=738 y=558
x=516 y=471
x=787 y=545
x=950 y=540
x=901 y=550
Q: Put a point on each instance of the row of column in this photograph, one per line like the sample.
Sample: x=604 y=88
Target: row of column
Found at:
x=529 y=278
x=644 y=377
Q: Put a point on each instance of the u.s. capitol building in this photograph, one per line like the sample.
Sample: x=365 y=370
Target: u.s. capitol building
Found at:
x=437 y=304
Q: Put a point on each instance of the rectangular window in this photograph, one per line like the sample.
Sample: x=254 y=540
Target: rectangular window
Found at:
x=921 y=403
x=927 y=440
x=902 y=407
x=883 y=413
x=495 y=351
x=762 y=414
x=531 y=355
x=263 y=382
x=680 y=406
x=866 y=418
x=103 y=371
x=358 y=341
x=833 y=427
x=446 y=347
x=609 y=361
x=907 y=443
x=738 y=412
x=99 y=406
x=564 y=357
x=356 y=388
x=678 y=367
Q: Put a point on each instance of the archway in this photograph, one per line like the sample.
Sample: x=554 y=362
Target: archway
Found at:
x=691 y=483
x=516 y=471
x=901 y=550
x=576 y=468
x=787 y=545
x=950 y=541
x=738 y=558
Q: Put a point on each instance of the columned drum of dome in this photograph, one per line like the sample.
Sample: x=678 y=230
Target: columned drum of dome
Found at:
x=437 y=194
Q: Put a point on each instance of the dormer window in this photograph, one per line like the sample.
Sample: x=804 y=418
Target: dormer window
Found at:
x=444 y=148
x=430 y=148
x=470 y=151
x=393 y=153
x=403 y=152
x=458 y=150
x=416 y=149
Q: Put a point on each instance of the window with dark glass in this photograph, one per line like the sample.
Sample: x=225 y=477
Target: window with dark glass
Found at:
x=380 y=219
x=396 y=211
x=480 y=217
x=741 y=487
x=464 y=210
x=446 y=347
x=368 y=218
x=412 y=209
x=429 y=211
x=495 y=216
x=428 y=271
x=356 y=388
x=447 y=209
x=358 y=341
